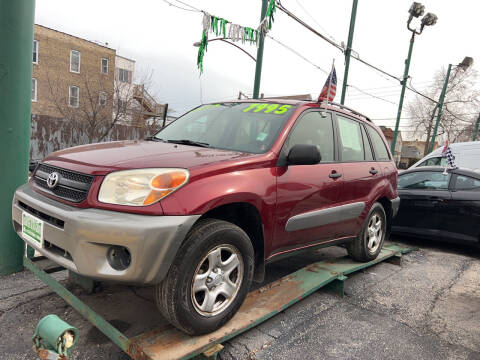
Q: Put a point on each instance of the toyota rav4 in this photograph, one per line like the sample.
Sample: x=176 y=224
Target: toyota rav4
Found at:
x=202 y=206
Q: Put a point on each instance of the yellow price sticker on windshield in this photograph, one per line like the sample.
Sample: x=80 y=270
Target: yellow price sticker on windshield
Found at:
x=266 y=108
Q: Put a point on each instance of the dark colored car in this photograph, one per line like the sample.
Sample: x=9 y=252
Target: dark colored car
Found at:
x=202 y=206
x=438 y=205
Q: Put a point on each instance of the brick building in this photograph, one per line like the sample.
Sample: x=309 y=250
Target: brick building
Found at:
x=389 y=133
x=69 y=72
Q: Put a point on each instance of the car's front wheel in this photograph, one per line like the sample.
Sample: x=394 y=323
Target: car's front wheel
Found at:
x=368 y=244
x=209 y=279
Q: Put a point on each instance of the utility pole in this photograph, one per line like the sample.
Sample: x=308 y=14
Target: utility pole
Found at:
x=440 y=106
x=258 y=67
x=475 y=132
x=348 y=50
x=402 y=93
x=16 y=42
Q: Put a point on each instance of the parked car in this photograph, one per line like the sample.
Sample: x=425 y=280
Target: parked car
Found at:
x=438 y=205
x=467 y=155
x=202 y=206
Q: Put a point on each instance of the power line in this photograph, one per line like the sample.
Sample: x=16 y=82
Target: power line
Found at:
x=366 y=93
x=181 y=8
x=315 y=21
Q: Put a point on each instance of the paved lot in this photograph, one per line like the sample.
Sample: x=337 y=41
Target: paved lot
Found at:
x=427 y=309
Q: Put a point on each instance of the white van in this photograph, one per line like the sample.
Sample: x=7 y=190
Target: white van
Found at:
x=467 y=155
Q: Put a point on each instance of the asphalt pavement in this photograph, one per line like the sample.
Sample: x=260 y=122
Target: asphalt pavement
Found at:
x=428 y=308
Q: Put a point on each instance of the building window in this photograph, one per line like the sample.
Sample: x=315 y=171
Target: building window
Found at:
x=35 y=51
x=124 y=75
x=75 y=61
x=34 y=89
x=74 y=96
x=102 y=98
x=104 y=66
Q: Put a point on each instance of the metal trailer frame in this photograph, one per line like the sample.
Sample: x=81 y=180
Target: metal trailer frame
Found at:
x=260 y=305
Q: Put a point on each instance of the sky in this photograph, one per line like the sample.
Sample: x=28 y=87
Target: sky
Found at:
x=160 y=38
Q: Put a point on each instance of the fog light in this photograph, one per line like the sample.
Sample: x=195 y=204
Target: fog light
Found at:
x=54 y=337
x=119 y=257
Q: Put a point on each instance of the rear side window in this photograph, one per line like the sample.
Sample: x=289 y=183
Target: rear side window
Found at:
x=366 y=145
x=351 y=142
x=381 y=152
x=467 y=183
x=424 y=180
x=314 y=128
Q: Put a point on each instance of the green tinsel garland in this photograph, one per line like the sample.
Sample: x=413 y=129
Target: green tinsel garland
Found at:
x=218 y=26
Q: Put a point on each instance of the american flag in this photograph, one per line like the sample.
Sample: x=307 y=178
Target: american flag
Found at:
x=330 y=88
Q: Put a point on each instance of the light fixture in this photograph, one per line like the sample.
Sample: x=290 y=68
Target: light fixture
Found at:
x=416 y=10
x=429 y=20
x=466 y=63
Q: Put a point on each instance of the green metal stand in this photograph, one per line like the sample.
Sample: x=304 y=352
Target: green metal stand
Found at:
x=16 y=47
x=440 y=107
x=259 y=306
x=475 y=131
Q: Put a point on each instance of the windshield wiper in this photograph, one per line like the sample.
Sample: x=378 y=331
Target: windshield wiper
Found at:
x=153 y=138
x=189 y=142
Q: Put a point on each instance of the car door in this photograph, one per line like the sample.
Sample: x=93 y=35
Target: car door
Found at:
x=461 y=213
x=423 y=195
x=361 y=173
x=307 y=195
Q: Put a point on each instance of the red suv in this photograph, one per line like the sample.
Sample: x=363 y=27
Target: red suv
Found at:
x=202 y=206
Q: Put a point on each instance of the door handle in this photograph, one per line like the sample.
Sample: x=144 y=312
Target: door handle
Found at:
x=436 y=199
x=373 y=171
x=334 y=175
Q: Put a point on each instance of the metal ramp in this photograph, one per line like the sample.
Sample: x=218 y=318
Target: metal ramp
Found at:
x=260 y=305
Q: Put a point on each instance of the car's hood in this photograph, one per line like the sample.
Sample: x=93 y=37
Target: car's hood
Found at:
x=102 y=158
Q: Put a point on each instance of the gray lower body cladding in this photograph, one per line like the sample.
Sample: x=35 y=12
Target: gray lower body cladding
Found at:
x=325 y=216
x=87 y=234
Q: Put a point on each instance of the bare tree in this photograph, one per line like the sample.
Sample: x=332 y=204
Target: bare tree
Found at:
x=103 y=103
x=461 y=104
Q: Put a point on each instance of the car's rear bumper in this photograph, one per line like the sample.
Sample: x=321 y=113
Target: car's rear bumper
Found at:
x=395 y=206
x=82 y=243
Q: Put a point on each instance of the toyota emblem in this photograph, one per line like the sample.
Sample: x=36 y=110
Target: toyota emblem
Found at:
x=52 y=180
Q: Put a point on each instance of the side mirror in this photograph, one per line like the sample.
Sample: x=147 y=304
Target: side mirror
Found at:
x=303 y=154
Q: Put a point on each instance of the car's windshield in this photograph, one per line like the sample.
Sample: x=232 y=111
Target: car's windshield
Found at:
x=239 y=126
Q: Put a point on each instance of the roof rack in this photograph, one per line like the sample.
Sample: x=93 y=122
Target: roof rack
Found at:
x=346 y=108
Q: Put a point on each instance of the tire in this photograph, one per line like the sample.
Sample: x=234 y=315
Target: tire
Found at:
x=208 y=255
x=366 y=247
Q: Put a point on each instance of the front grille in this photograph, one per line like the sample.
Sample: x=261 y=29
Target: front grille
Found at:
x=41 y=215
x=72 y=186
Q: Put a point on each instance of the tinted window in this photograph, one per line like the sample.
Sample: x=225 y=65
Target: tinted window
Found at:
x=366 y=145
x=314 y=128
x=381 y=152
x=235 y=126
x=424 y=180
x=467 y=183
x=351 y=143
x=436 y=161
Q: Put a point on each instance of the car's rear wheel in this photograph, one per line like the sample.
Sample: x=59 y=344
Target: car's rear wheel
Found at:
x=209 y=279
x=368 y=244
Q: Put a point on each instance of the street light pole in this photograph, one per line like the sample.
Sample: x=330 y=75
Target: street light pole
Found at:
x=348 y=50
x=258 y=67
x=440 y=106
x=402 y=93
x=416 y=10
x=16 y=42
x=464 y=65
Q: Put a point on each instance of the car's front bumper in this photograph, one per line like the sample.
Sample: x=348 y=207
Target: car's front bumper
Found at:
x=82 y=243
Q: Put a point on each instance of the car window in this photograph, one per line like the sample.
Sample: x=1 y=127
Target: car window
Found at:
x=467 y=183
x=366 y=145
x=436 y=161
x=381 y=152
x=424 y=180
x=351 y=143
x=247 y=127
x=314 y=128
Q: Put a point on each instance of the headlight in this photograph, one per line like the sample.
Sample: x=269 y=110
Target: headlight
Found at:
x=141 y=187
